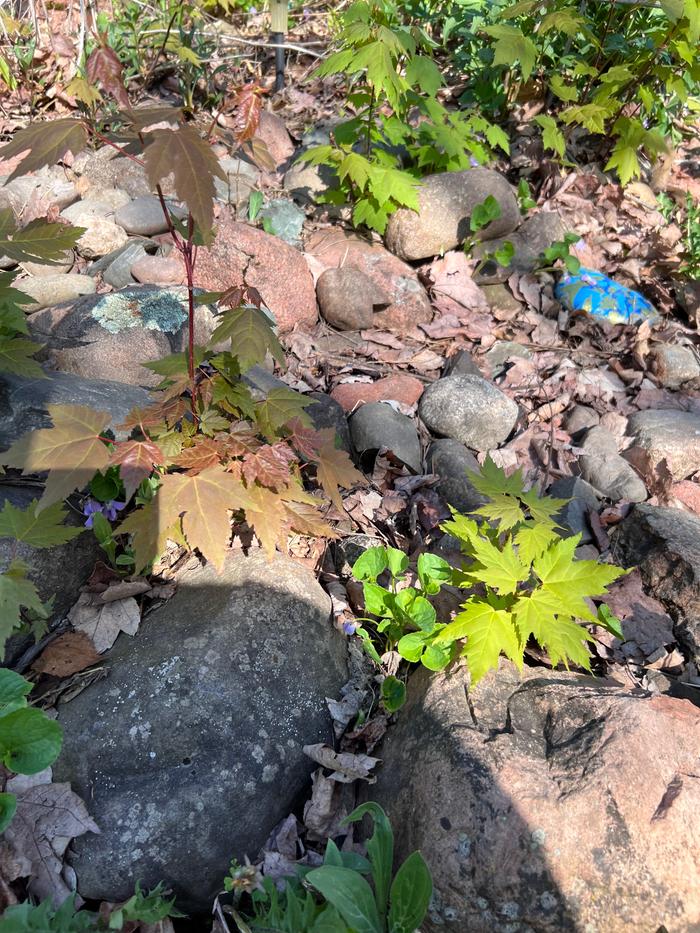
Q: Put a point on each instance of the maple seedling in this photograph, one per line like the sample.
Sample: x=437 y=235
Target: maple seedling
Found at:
x=524 y=580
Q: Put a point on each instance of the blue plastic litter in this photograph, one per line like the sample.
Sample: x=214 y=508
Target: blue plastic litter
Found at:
x=595 y=294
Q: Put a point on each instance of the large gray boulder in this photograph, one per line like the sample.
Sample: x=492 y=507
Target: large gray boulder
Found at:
x=190 y=750
x=446 y=202
x=673 y=436
x=530 y=240
x=469 y=409
x=546 y=805
x=24 y=401
x=112 y=336
x=665 y=545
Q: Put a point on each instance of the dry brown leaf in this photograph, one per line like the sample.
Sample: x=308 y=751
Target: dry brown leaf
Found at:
x=345 y=766
x=102 y=622
x=48 y=816
x=122 y=589
x=324 y=812
x=67 y=655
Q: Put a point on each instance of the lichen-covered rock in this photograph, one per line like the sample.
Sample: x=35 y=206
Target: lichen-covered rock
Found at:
x=446 y=202
x=469 y=409
x=665 y=545
x=547 y=805
x=396 y=284
x=111 y=336
x=190 y=750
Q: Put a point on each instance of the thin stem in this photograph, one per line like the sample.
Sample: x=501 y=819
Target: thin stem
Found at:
x=370 y=117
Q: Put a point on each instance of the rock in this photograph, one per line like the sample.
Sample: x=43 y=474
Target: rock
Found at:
x=118 y=271
x=101 y=206
x=580 y=418
x=325 y=412
x=537 y=803
x=277 y=270
x=530 y=240
x=674 y=365
x=105 y=169
x=41 y=188
x=609 y=473
x=238 y=169
x=307 y=183
x=24 y=401
x=574 y=515
x=145 y=217
x=446 y=203
x=688 y=297
x=235 y=190
x=398 y=388
x=190 y=751
x=461 y=363
x=502 y=352
x=452 y=462
x=673 y=436
x=468 y=409
x=377 y=425
x=59 y=571
x=664 y=544
x=111 y=336
x=158 y=270
x=407 y=301
x=41 y=269
x=100 y=238
x=48 y=290
x=502 y=300
x=347 y=297
x=347 y=550
x=284 y=219
x=272 y=131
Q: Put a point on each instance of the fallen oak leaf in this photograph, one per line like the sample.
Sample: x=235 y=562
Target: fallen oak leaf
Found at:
x=68 y=654
x=345 y=766
x=102 y=622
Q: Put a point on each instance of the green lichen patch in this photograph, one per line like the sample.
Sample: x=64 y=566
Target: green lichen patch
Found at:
x=159 y=309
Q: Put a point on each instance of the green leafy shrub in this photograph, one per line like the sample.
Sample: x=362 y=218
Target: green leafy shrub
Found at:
x=29 y=740
x=621 y=71
x=524 y=581
x=337 y=898
x=398 y=129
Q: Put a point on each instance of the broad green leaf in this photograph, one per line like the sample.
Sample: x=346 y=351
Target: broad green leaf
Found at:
x=673 y=9
x=512 y=45
x=491 y=480
x=46 y=142
x=372 y=213
x=371 y=564
x=412 y=646
x=14 y=690
x=504 y=510
x=380 y=850
x=566 y=21
x=436 y=657
x=279 y=408
x=417 y=608
x=563 y=91
x=591 y=116
x=552 y=136
x=393 y=693
x=29 y=741
x=423 y=71
x=16 y=357
x=521 y=8
x=489 y=633
x=45 y=529
x=433 y=571
x=501 y=569
x=8 y=808
x=190 y=158
x=398 y=561
x=610 y=622
x=571 y=581
x=378 y=601
x=357 y=168
x=39 y=241
x=483 y=214
x=410 y=895
x=250 y=334
x=625 y=161
x=350 y=894
x=542 y=508
x=16 y=592
x=532 y=539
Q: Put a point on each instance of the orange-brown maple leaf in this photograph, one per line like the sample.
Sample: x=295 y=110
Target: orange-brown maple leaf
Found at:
x=136 y=460
x=304 y=439
x=156 y=415
x=206 y=452
x=269 y=465
x=334 y=468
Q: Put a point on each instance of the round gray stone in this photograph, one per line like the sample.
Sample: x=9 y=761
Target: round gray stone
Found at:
x=190 y=751
x=452 y=462
x=468 y=409
x=378 y=425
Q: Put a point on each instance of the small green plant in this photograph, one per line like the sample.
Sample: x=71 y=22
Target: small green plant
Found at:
x=146 y=908
x=688 y=219
x=29 y=740
x=398 y=130
x=482 y=215
x=560 y=251
x=337 y=897
x=524 y=581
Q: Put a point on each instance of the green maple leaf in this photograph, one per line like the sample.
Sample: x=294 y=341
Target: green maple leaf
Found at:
x=279 y=408
x=533 y=539
x=16 y=593
x=423 y=71
x=43 y=530
x=464 y=528
x=500 y=568
x=357 y=168
x=250 y=334
x=492 y=481
x=489 y=633
x=39 y=241
x=552 y=136
x=505 y=510
x=625 y=161
x=542 y=508
x=563 y=639
x=372 y=213
x=512 y=44
x=571 y=581
x=16 y=357
x=398 y=186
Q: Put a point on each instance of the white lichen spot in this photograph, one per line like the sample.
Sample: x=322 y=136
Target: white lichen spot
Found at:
x=258 y=753
x=269 y=773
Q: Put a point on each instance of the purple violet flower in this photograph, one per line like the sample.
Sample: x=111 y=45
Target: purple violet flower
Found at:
x=108 y=509
x=350 y=627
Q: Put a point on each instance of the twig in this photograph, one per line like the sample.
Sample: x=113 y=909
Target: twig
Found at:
x=292 y=47
x=35 y=650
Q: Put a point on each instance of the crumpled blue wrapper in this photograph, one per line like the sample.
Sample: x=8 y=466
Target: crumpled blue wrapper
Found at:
x=602 y=298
